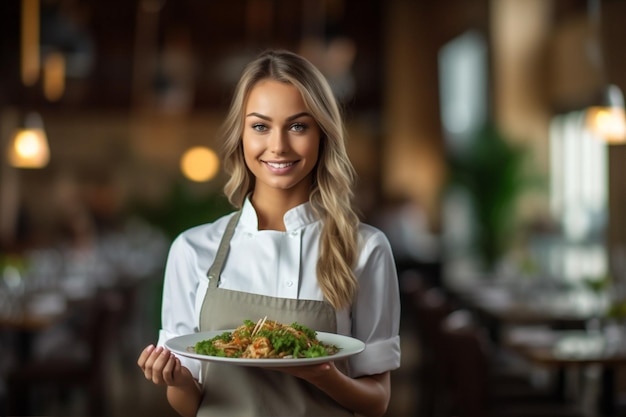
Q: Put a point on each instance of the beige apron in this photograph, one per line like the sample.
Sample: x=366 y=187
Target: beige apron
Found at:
x=239 y=391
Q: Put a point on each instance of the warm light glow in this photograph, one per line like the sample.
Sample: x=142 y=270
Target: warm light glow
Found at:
x=30 y=42
x=199 y=164
x=54 y=76
x=29 y=149
x=27 y=144
x=608 y=123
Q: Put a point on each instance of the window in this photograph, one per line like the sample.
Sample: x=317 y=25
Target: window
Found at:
x=579 y=196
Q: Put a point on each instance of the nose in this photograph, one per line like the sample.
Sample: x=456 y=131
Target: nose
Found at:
x=278 y=142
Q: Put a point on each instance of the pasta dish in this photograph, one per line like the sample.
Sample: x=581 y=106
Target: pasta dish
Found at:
x=266 y=339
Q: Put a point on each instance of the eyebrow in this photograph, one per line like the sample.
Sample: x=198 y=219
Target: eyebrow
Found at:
x=290 y=118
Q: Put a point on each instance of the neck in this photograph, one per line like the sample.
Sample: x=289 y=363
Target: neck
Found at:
x=271 y=207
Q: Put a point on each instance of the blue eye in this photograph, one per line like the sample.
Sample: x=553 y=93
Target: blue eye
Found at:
x=259 y=127
x=298 y=127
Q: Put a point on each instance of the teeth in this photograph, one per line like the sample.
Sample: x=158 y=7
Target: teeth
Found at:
x=280 y=165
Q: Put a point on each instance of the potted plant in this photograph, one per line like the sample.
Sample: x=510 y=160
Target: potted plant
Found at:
x=493 y=171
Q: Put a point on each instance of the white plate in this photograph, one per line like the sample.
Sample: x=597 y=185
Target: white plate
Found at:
x=348 y=346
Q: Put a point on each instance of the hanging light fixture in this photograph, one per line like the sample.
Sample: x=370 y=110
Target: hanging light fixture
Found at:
x=605 y=118
x=30 y=49
x=54 y=76
x=29 y=146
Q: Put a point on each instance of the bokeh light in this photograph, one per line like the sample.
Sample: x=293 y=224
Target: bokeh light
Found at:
x=199 y=164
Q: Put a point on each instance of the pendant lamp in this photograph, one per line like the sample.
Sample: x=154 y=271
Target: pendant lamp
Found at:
x=29 y=145
x=605 y=116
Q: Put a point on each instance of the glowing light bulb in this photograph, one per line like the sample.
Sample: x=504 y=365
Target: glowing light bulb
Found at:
x=608 y=123
x=27 y=144
x=29 y=149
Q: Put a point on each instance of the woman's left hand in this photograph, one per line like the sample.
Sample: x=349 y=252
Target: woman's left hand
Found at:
x=366 y=395
x=310 y=373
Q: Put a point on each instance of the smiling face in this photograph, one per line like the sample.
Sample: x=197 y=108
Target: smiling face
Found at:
x=280 y=140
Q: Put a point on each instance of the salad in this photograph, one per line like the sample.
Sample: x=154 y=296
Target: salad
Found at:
x=266 y=339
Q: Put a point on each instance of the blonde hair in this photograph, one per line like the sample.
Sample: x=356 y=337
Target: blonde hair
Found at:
x=333 y=178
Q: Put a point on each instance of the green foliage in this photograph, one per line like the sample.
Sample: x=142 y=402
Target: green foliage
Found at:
x=597 y=284
x=310 y=333
x=286 y=342
x=316 y=351
x=205 y=347
x=184 y=209
x=10 y=260
x=527 y=264
x=617 y=310
x=494 y=172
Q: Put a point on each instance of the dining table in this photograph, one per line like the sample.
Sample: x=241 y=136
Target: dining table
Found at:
x=38 y=323
x=575 y=350
x=550 y=325
x=26 y=315
x=502 y=303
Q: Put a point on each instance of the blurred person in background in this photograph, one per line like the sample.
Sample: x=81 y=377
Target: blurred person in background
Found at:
x=308 y=259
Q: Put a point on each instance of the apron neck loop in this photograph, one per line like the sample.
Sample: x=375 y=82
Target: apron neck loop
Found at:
x=222 y=251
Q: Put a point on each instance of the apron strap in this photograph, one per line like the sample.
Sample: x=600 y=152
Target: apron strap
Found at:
x=222 y=251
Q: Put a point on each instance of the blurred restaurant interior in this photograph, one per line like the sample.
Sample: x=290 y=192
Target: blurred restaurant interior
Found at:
x=488 y=140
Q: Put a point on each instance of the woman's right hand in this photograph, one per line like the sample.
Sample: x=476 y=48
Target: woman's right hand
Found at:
x=162 y=367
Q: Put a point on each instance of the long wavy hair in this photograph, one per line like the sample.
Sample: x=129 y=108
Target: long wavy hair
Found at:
x=333 y=177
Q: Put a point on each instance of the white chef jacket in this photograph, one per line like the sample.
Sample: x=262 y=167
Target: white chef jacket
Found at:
x=283 y=264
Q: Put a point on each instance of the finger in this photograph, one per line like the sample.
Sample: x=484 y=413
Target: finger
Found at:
x=321 y=370
x=143 y=357
x=149 y=370
x=169 y=370
x=323 y=367
x=179 y=369
x=159 y=365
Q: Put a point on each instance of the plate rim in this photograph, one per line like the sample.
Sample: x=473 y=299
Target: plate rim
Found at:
x=171 y=344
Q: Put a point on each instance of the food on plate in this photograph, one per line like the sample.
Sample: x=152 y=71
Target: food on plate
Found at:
x=266 y=339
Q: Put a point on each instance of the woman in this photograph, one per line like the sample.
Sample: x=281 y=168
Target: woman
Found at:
x=297 y=253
